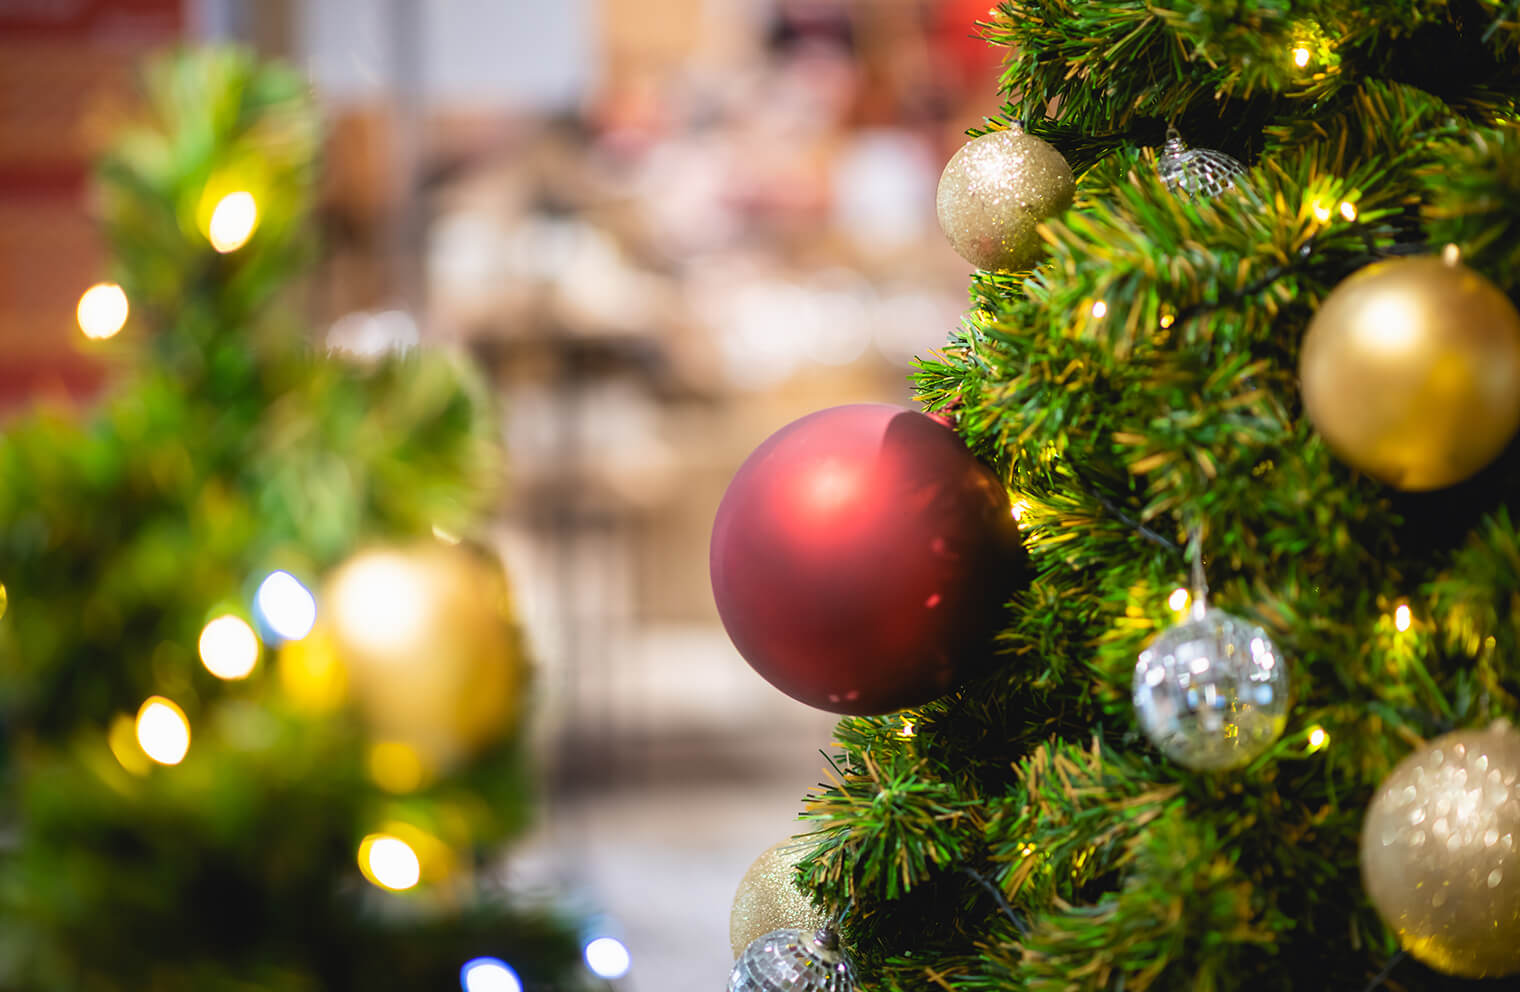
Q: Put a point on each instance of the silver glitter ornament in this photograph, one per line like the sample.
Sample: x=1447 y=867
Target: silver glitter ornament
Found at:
x=1196 y=171
x=995 y=191
x=1438 y=852
x=793 y=961
x=1211 y=692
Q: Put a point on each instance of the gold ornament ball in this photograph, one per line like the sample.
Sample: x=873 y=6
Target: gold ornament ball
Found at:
x=424 y=635
x=768 y=898
x=1411 y=371
x=994 y=192
x=1439 y=857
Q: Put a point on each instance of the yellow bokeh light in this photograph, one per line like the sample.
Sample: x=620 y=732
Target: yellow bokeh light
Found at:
x=396 y=766
x=229 y=647
x=4 y=599
x=233 y=221
x=1321 y=211
x=1178 y=600
x=907 y=729
x=1167 y=320
x=311 y=673
x=1300 y=56
x=102 y=311
x=1402 y=617
x=1348 y=210
x=122 y=740
x=1099 y=310
x=389 y=862
x=1318 y=738
x=163 y=732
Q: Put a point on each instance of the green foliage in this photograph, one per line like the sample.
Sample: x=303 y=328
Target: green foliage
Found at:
x=231 y=450
x=1025 y=836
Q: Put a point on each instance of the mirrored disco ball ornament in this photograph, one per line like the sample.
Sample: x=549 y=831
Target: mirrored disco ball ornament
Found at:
x=1196 y=171
x=1212 y=692
x=793 y=961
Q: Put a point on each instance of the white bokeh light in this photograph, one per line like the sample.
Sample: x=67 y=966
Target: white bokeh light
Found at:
x=287 y=606
x=229 y=647
x=489 y=975
x=608 y=958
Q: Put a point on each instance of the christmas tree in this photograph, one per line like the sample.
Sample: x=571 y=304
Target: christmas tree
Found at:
x=1249 y=370
x=214 y=779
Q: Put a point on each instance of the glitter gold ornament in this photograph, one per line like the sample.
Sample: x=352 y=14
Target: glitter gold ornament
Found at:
x=431 y=658
x=793 y=961
x=1411 y=371
x=768 y=898
x=995 y=191
x=1438 y=852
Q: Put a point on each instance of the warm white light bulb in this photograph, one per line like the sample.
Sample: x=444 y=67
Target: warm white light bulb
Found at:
x=233 y=221
x=1178 y=600
x=286 y=605
x=163 y=732
x=389 y=862
x=1403 y=618
x=102 y=310
x=229 y=647
x=1099 y=310
x=1300 y=56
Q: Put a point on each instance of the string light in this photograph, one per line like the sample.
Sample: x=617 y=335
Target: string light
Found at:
x=396 y=766
x=389 y=862
x=1178 y=600
x=907 y=729
x=233 y=222
x=1018 y=508
x=229 y=648
x=1167 y=320
x=1099 y=310
x=1402 y=618
x=1318 y=738
x=1301 y=56
x=122 y=740
x=608 y=957
x=102 y=311
x=163 y=732
x=488 y=975
x=1321 y=211
x=1348 y=210
x=286 y=605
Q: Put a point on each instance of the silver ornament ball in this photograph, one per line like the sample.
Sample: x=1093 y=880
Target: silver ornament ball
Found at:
x=1212 y=692
x=1200 y=172
x=994 y=193
x=793 y=961
x=1439 y=858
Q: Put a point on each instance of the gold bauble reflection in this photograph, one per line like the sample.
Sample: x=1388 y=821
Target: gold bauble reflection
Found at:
x=430 y=654
x=1439 y=857
x=768 y=898
x=995 y=191
x=1411 y=371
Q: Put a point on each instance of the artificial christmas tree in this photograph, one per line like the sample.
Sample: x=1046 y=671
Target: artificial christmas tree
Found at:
x=201 y=761
x=1140 y=394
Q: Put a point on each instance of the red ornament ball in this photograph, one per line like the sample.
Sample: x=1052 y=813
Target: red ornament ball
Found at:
x=861 y=558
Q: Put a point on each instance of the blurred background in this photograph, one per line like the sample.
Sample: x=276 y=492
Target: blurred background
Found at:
x=665 y=228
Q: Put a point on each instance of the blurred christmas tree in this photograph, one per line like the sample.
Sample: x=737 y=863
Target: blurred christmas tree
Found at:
x=209 y=778
x=1245 y=724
